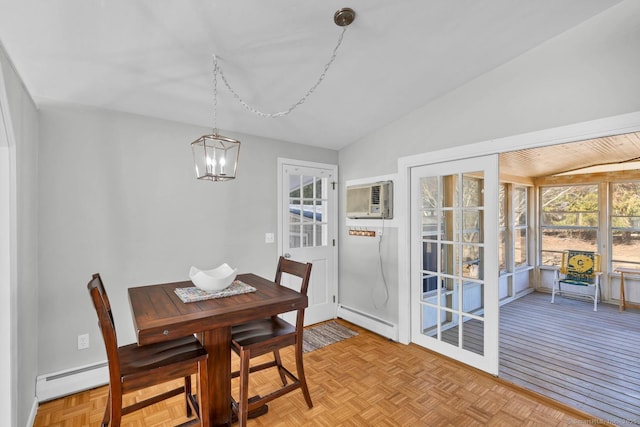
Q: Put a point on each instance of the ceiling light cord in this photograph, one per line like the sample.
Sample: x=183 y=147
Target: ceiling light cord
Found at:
x=301 y=101
x=216 y=70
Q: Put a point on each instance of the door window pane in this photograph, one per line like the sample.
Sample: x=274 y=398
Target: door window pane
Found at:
x=307 y=211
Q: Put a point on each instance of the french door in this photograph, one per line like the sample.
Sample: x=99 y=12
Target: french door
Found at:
x=454 y=263
x=308 y=224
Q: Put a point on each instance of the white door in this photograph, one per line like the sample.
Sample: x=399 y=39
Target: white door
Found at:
x=454 y=262
x=308 y=224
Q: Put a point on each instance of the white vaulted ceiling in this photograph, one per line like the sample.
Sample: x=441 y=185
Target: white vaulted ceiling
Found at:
x=153 y=57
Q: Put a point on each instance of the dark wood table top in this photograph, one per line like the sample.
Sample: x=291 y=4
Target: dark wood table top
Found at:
x=159 y=315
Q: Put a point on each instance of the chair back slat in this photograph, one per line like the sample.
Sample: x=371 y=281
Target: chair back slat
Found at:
x=294 y=268
x=298 y=269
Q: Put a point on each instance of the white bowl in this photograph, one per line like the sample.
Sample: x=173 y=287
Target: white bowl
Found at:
x=213 y=280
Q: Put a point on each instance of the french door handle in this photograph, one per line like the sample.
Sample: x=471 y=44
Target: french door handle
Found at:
x=287 y=255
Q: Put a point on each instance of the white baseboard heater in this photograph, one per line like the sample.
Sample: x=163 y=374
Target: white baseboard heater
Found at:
x=367 y=321
x=53 y=386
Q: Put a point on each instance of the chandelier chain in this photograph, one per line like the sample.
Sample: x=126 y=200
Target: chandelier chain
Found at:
x=215 y=95
x=257 y=112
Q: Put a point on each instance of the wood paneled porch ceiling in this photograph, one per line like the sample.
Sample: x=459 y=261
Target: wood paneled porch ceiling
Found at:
x=612 y=153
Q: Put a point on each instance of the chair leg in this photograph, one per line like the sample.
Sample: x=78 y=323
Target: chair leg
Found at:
x=116 y=410
x=301 y=377
x=276 y=357
x=187 y=393
x=243 y=403
x=107 y=410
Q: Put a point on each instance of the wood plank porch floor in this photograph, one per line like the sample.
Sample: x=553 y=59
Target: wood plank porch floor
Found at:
x=566 y=351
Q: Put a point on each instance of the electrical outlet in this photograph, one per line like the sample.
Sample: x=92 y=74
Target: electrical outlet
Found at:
x=269 y=238
x=83 y=341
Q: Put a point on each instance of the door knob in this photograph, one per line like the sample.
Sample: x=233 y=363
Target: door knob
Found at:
x=287 y=255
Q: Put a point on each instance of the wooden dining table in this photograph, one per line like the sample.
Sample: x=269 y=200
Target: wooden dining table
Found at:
x=159 y=315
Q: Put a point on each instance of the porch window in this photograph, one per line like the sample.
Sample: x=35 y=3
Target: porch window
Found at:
x=569 y=220
x=502 y=224
x=625 y=225
x=520 y=225
x=513 y=238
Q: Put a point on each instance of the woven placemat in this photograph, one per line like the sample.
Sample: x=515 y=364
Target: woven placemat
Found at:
x=194 y=294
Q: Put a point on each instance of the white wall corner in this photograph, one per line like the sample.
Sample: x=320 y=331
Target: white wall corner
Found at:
x=32 y=414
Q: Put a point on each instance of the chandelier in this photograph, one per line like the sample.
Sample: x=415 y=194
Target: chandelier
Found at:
x=215 y=156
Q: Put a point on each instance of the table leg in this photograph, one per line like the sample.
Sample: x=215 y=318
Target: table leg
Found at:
x=218 y=345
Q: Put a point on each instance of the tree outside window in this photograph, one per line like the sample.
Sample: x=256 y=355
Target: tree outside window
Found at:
x=625 y=225
x=513 y=226
x=520 y=226
x=569 y=220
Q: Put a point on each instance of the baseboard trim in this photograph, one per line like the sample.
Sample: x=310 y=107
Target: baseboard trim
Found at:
x=369 y=322
x=63 y=383
x=32 y=415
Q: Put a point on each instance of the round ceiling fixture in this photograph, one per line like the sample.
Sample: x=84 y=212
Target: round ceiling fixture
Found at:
x=344 y=16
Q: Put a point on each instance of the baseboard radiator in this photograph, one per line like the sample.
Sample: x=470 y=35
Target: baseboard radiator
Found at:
x=369 y=322
x=53 y=386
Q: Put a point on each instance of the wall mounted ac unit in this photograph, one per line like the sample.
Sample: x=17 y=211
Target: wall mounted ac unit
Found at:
x=370 y=200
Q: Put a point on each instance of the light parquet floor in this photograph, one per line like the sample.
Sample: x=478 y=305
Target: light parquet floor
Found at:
x=366 y=380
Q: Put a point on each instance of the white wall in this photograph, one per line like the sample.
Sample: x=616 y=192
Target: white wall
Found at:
x=21 y=135
x=119 y=197
x=7 y=289
x=584 y=74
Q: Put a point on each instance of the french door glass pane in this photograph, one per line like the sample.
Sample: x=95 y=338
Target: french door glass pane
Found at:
x=471 y=194
x=430 y=320
x=430 y=192
x=452 y=216
x=473 y=335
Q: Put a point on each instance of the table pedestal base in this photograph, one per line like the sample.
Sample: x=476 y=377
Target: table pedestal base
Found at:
x=252 y=414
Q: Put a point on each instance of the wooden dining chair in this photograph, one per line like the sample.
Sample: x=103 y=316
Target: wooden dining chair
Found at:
x=133 y=367
x=269 y=335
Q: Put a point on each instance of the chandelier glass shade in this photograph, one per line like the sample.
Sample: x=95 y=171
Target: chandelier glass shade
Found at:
x=215 y=157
